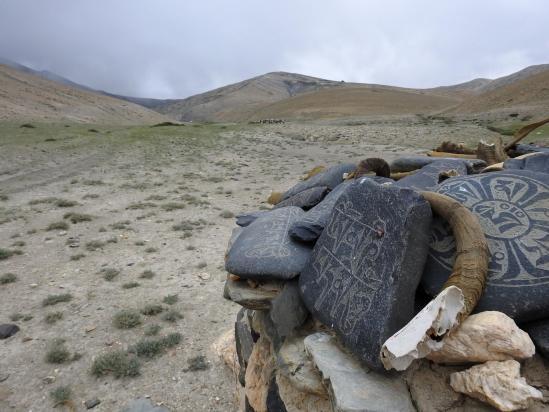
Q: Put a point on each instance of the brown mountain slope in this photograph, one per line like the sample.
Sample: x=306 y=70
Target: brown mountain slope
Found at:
x=529 y=93
x=239 y=101
x=355 y=100
x=26 y=97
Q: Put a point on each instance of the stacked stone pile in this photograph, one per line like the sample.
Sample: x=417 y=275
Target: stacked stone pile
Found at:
x=346 y=262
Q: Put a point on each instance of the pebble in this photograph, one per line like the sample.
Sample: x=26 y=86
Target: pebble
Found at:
x=92 y=403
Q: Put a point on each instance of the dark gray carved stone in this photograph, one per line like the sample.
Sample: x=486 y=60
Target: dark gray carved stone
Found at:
x=535 y=163
x=539 y=332
x=521 y=149
x=309 y=227
x=410 y=163
x=429 y=176
x=329 y=178
x=244 y=219
x=513 y=210
x=258 y=298
x=244 y=342
x=305 y=199
x=288 y=312
x=366 y=265
x=264 y=250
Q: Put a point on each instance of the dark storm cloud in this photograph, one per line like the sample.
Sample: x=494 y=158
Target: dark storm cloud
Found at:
x=168 y=48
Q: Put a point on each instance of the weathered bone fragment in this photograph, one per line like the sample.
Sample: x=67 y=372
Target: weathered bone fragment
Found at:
x=423 y=333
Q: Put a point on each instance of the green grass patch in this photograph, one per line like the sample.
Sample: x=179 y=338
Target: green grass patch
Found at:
x=152 y=330
x=77 y=217
x=61 y=225
x=57 y=352
x=117 y=363
x=61 y=396
x=149 y=347
x=53 y=317
x=170 y=299
x=152 y=309
x=131 y=285
x=8 y=278
x=78 y=256
x=171 y=206
x=109 y=273
x=7 y=253
x=147 y=274
x=126 y=319
x=172 y=316
x=94 y=245
x=55 y=299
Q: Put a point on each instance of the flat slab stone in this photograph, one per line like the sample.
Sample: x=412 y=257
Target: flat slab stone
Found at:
x=354 y=388
x=288 y=312
x=330 y=178
x=410 y=163
x=536 y=163
x=265 y=251
x=539 y=332
x=513 y=209
x=367 y=264
x=429 y=176
x=309 y=227
x=244 y=342
x=305 y=199
x=244 y=219
x=258 y=298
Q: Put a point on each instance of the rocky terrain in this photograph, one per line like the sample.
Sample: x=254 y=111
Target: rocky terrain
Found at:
x=99 y=220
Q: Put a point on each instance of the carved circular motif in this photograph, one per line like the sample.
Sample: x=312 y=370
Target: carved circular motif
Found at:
x=513 y=210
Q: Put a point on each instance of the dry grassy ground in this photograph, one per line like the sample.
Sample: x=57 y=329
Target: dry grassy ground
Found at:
x=119 y=218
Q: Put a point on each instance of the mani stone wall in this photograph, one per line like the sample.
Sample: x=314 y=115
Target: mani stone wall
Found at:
x=326 y=276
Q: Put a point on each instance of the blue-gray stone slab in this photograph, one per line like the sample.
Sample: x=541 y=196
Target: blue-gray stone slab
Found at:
x=538 y=162
x=306 y=199
x=264 y=249
x=431 y=175
x=329 y=178
x=410 y=163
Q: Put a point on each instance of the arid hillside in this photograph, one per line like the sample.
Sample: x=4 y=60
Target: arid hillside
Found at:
x=26 y=97
x=237 y=102
x=355 y=101
x=529 y=93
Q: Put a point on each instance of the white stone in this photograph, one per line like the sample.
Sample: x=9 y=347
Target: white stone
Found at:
x=353 y=387
x=423 y=333
x=484 y=337
x=498 y=383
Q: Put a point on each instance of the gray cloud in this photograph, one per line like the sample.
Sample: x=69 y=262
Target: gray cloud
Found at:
x=170 y=48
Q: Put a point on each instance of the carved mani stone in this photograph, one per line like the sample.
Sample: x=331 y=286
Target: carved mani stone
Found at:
x=538 y=162
x=366 y=265
x=244 y=219
x=409 y=163
x=264 y=250
x=429 y=176
x=305 y=199
x=329 y=178
x=512 y=208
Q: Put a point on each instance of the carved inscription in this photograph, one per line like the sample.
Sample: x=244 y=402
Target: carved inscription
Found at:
x=275 y=243
x=346 y=281
x=514 y=213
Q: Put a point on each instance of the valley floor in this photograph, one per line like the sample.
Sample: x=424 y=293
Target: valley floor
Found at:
x=155 y=207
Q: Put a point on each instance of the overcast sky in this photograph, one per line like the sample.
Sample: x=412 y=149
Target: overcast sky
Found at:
x=169 y=48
